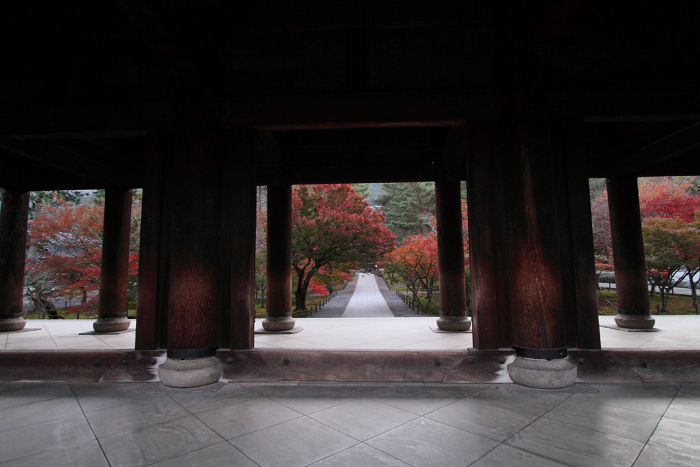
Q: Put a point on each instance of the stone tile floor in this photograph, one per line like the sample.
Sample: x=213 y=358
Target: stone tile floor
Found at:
x=678 y=333
x=344 y=424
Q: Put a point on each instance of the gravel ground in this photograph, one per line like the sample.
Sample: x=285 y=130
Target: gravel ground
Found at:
x=396 y=305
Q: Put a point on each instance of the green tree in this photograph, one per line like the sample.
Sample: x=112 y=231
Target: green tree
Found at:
x=672 y=247
x=408 y=207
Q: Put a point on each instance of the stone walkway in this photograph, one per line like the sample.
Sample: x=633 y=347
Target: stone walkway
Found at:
x=367 y=301
x=337 y=305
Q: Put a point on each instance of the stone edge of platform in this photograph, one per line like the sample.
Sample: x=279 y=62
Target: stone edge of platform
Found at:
x=473 y=366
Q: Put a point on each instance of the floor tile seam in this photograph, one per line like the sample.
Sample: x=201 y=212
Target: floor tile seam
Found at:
x=250 y=432
x=127 y=403
x=617 y=434
x=641 y=412
x=651 y=435
x=495 y=440
x=383 y=452
x=225 y=441
x=333 y=454
x=316 y=411
x=51 y=336
x=607 y=435
x=237 y=449
x=374 y=436
x=52 y=449
x=505 y=441
x=521 y=448
x=99 y=443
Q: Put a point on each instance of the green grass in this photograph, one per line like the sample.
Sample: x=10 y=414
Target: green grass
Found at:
x=677 y=305
x=260 y=312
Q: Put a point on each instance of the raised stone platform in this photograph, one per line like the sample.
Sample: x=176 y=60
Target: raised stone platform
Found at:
x=594 y=366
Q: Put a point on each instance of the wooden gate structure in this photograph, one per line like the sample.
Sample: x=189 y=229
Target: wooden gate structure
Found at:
x=200 y=102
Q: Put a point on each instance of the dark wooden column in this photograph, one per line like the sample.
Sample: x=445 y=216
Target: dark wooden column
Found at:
x=628 y=254
x=279 y=259
x=533 y=230
x=13 y=250
x=537 y=235
x=488 y=244
x=453 y=298
x=192 y=189
x=581 y=303
x=238 y=244
x=115 y=262
x=151 y=311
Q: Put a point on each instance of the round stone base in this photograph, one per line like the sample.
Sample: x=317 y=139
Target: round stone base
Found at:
x=12 y=324
x=542 y=374
x=190 y=373
x=454 y=323
x=282 y=323
x=635 y=321
x=111 y=324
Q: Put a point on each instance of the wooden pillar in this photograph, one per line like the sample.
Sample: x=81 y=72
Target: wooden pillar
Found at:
x=238 y=244
x=114 y=276
x=534 y=230
x=193 y=189
x=13 y=250
x=488 y=244
x=151 y=307
x=628 y=254
x=279 y=259
x=453 y=299
x=581 y=302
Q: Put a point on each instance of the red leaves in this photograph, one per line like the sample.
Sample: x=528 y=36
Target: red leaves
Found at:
x=67 y=239
x=333 y=225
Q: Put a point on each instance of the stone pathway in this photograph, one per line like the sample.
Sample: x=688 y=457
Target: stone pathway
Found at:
x=367 y=301
x=337 y=305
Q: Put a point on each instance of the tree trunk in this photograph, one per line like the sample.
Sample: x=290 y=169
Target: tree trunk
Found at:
x=664 y=299
x=302 y=288
x=263 y=288
x=429 y=292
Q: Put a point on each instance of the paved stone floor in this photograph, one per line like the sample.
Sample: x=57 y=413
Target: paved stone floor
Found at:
x=349 y=424
x=366 y=425
x=677 y=333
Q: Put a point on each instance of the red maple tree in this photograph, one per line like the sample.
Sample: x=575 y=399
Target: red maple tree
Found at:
x=65 y=257
x=415 y=261
x=333 y=225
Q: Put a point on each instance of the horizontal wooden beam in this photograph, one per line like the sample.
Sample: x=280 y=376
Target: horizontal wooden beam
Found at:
x=364 y=110
x=672 y=146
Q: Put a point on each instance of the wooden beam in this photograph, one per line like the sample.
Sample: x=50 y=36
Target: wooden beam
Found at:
x=669 y=147
x=364 y=110
x=60 y=158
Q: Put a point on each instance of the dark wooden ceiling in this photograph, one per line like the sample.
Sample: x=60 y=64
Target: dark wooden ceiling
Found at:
x=347 y=91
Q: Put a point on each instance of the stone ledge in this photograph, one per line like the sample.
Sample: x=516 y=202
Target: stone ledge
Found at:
x=435 y=366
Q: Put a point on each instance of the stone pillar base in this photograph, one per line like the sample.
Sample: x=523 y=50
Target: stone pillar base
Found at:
x=454 y=323
x=634 y=321
x=282 y=323
x=542 y=374
x=111 y=324
x=12 y=324
x=190 y=373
